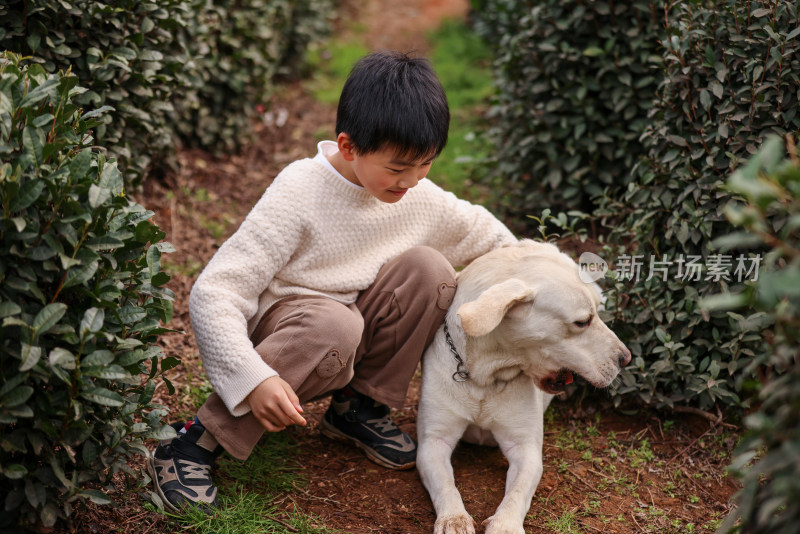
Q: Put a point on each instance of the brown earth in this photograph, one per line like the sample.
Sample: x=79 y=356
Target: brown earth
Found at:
x=605 y=471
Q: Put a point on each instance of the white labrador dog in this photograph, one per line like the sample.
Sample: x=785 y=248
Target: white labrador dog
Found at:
x=521 y=323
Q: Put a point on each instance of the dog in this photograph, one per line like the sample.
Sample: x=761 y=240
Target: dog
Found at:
x=521 y=323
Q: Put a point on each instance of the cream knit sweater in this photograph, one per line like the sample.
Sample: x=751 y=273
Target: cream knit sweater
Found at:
x=315 y=233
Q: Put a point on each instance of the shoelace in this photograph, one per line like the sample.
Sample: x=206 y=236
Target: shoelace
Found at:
x=384 y=424
x=194 y=470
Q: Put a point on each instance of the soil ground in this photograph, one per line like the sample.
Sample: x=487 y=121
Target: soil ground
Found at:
x=605 y=470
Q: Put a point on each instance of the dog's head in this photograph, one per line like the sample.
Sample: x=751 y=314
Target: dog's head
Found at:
x=524 y=309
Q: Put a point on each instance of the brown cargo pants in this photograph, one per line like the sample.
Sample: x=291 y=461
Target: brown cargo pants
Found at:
x=318 y=345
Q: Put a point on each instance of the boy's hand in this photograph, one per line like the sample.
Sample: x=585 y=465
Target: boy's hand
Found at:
x=275 y=404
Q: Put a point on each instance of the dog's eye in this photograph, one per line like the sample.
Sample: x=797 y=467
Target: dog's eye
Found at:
x=583 y=324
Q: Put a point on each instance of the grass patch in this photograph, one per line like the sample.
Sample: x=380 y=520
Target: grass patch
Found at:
x=271 y=466
x=566 y=524
x=331 y=64
x=462 y=61
x=272 y=469
x=245 y=512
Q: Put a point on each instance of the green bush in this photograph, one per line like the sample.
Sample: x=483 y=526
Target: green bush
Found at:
x=236 y=51
x=767 y=461
x=575 y=82
x=728 y=77
x=731 y=75
x=81 y=300
x=194 y=70
x=126 y=55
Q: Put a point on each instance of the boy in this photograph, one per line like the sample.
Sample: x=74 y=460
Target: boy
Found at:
x=333 y=285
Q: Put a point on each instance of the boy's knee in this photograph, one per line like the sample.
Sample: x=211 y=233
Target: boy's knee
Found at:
x=426 y=262
x=343 y=331
x=431 y=271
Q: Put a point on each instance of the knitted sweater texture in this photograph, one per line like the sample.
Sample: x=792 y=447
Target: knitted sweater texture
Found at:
x=314 y=233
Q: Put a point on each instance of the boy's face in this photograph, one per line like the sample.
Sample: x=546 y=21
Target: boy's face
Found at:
x=384 y=174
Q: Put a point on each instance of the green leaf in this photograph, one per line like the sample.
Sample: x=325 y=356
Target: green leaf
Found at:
x=33 y=141
x=131 y=314
x=30 y=356
x=96 y=496
x=153 y=257
x=80 y=165
x=168 y=363
x=103 y=396
x=28 y=193
x=81 y=274
x=96 y=112
x=92 y=321
x=49 y=515
x=98 y=195
x=98 y=357
x=16 y=397
x=593 y=51
x=111 y=178
x=111 y=372
x=161 y=433
x=14 y=471
x=48 y=317
x=9 y=308
x=63 y=358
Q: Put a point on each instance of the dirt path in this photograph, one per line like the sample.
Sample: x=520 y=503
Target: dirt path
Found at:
x=604 y=471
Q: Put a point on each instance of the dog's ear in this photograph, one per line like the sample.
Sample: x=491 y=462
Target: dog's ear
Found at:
x=481 y=316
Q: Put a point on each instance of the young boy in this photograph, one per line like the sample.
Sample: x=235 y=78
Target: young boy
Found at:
x=333 y=285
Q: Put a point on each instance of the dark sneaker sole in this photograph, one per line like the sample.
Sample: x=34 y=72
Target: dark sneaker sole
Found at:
x=334 y=433
x=151 y=470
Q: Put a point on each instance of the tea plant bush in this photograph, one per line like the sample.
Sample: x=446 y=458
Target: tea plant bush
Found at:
x=575 y=82
x=235 y=52
x=126 y=55
x=82 y=296
x=731 y=78
x=767 y=461
x=194 y=71
x=728 y=78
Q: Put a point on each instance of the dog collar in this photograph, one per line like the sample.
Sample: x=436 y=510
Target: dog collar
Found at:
x=461 y=374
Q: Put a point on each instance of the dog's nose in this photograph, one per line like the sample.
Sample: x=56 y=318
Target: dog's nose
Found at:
x=624 y=357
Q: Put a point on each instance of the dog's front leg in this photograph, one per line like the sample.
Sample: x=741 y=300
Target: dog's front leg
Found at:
x=436 y=471
x=524 y=473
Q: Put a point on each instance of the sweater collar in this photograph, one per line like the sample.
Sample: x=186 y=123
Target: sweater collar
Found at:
x=339 y=182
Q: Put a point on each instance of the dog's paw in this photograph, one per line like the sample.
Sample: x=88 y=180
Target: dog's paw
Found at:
x=498 y=525
x=454 y=524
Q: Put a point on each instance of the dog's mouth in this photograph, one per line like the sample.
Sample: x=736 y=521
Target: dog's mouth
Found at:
x=557 y=382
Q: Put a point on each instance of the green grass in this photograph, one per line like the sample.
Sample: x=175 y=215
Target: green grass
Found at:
x=271 y=466
x=246 y=512
x=565 y=524
x=248 y=489
x=331 y=64
x=462 y=62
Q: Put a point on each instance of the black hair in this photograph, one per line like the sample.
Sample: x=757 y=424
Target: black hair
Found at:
x=394 y=100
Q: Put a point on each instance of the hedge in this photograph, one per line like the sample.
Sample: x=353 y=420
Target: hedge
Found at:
x=728 y=79
x=575 y=82
x=82 y=298
x=177 y=71
x=767 y=460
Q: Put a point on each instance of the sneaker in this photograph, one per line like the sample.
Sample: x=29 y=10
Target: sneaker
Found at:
x=181 y=469
x=355 y=418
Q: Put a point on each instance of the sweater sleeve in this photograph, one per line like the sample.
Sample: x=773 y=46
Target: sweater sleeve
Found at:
x=226 y=295
x=466 y=230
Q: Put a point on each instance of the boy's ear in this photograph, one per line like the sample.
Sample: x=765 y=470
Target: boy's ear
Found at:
x=346 y=147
